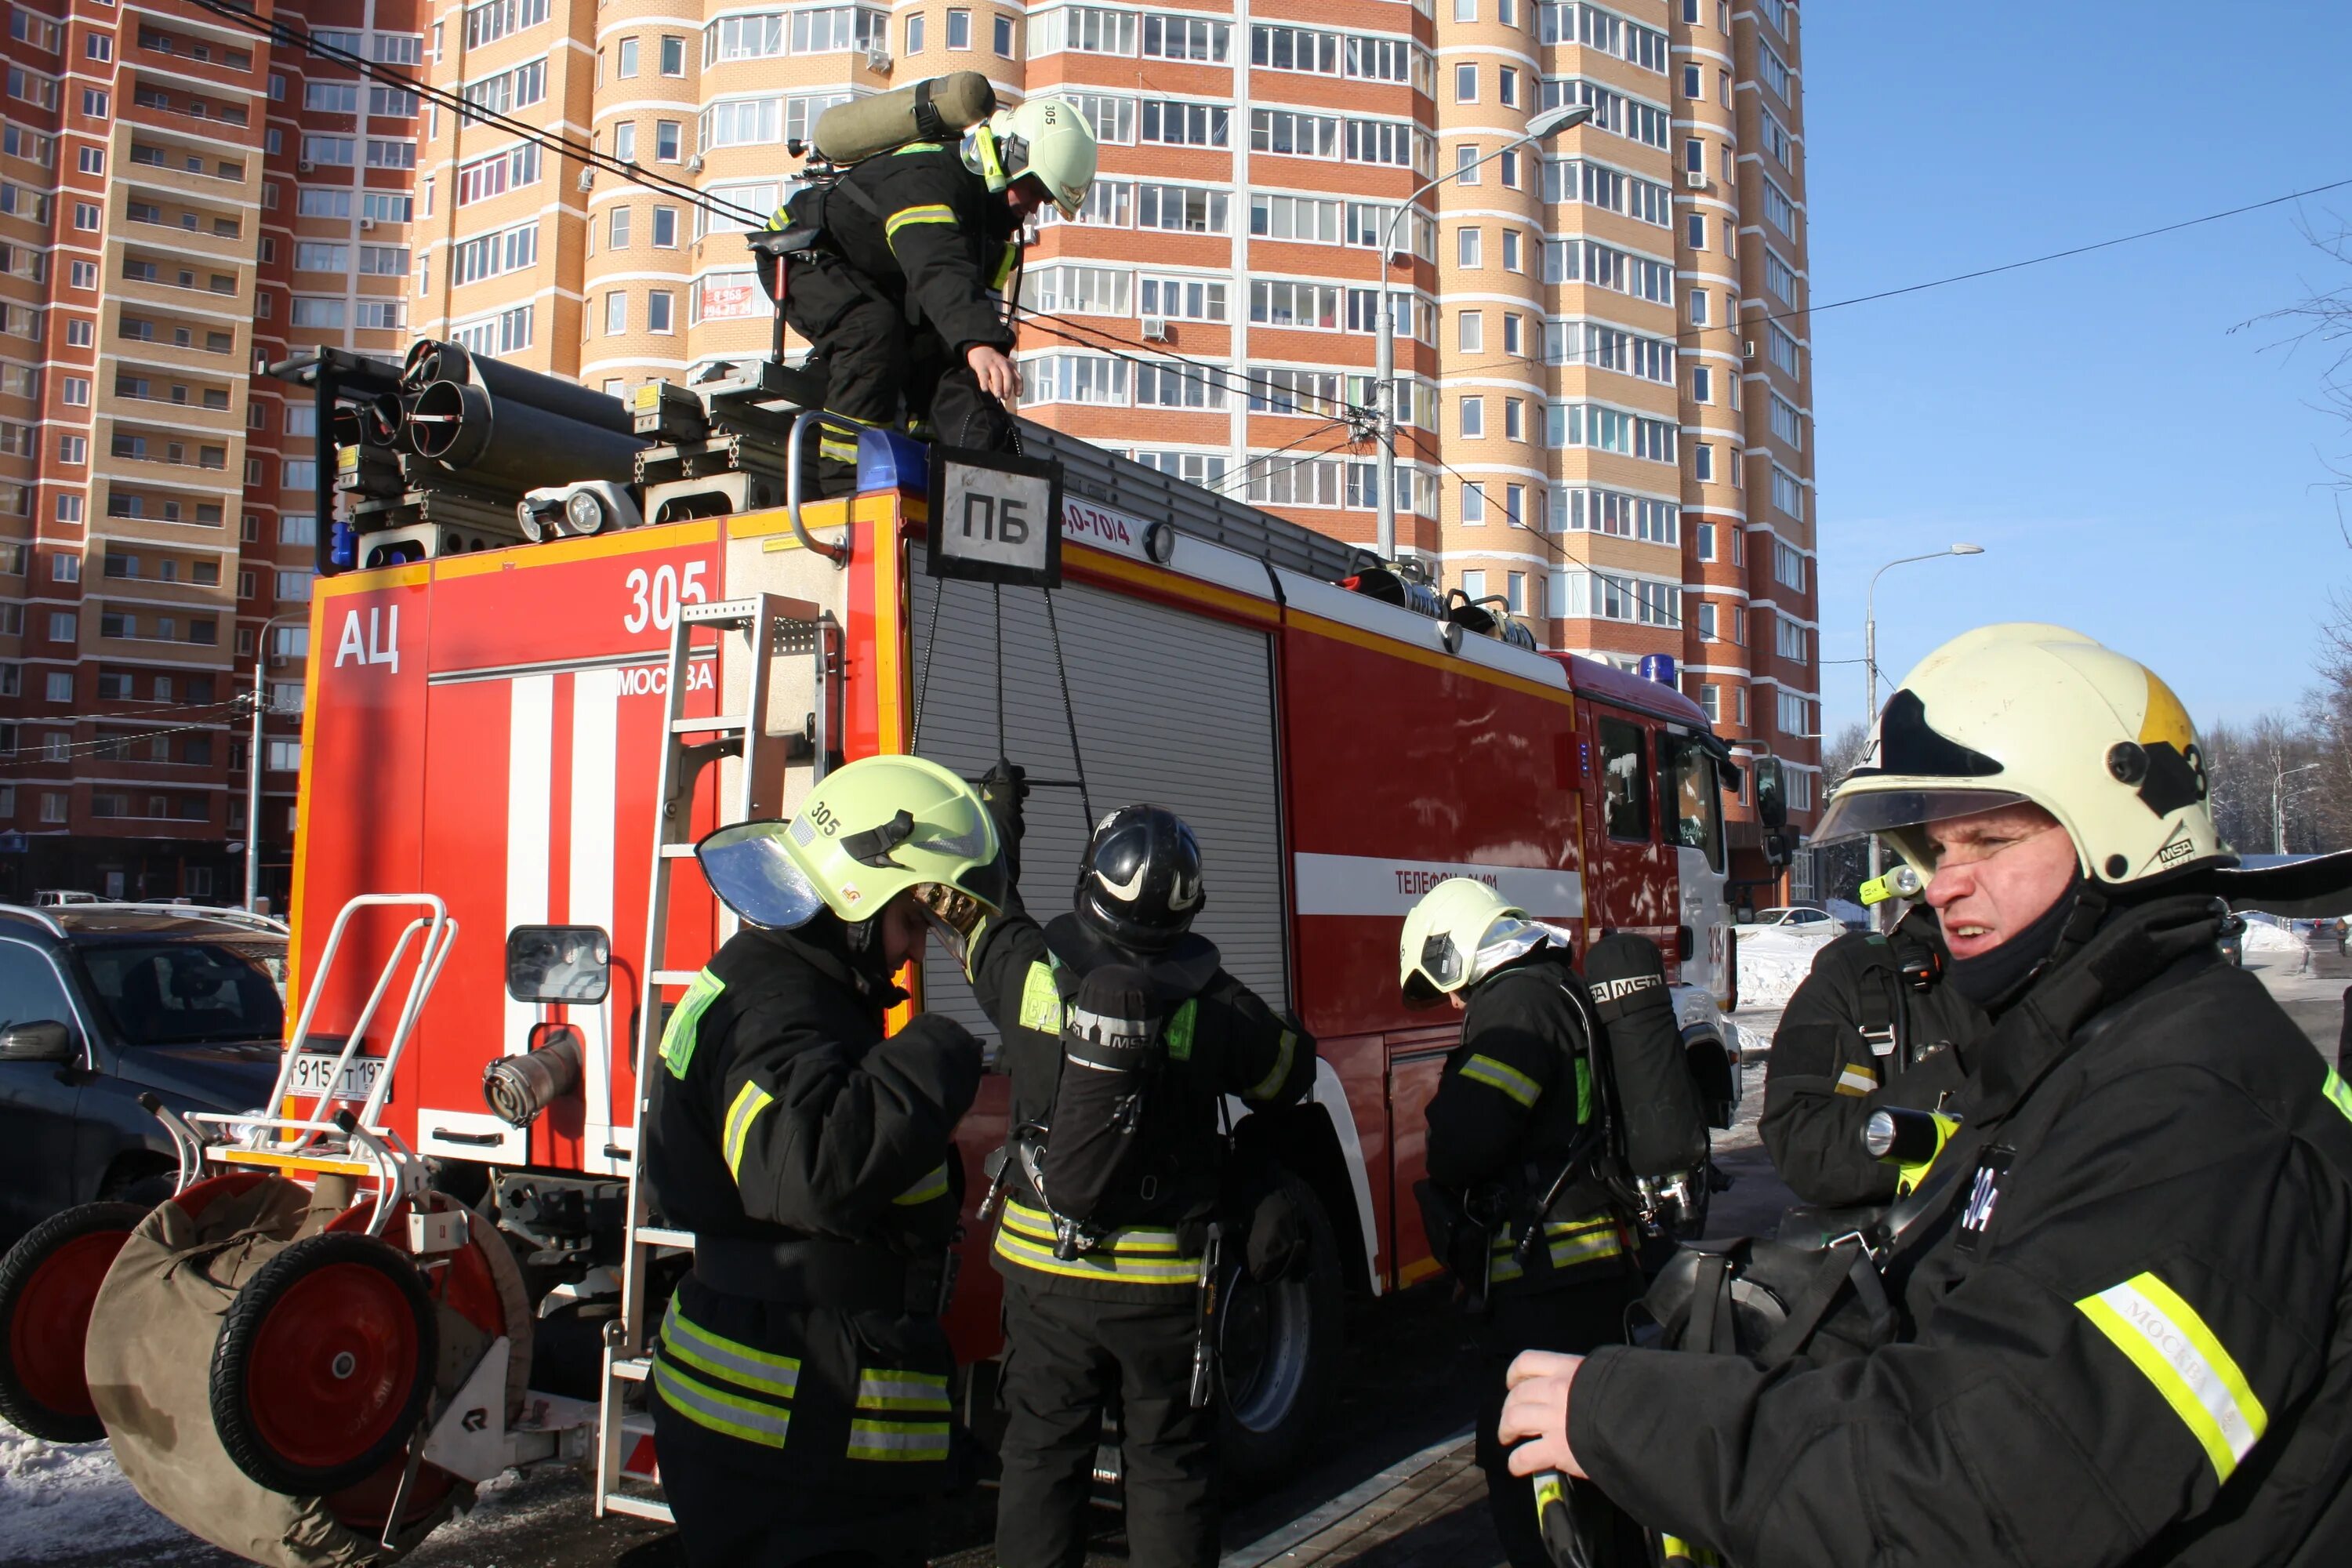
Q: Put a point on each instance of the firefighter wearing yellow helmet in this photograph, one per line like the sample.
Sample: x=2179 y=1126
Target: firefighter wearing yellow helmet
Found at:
x=897 y=267
x=800 y=1376
x=1515 y=1099
x=2120 y=1335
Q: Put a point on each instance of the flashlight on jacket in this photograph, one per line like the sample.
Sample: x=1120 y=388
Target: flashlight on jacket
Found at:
x=1906 y=1137
x=1901 y=882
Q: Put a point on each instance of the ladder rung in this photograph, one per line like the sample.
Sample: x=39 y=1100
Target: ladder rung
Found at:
x=678 y=851
x=642 y=1507
x=675 y=976
x=725 y=724
x=633 y=1369
x=720 y=612
x=652 y=1236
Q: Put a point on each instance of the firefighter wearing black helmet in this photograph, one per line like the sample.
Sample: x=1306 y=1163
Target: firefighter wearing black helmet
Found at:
x=1875 y=1024
x=1109 y=1311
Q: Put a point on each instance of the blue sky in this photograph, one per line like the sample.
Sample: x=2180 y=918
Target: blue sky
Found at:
x=2132 y=467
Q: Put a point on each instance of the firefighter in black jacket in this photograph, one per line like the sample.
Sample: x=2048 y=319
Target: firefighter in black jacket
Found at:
x=894 y=288
x=1515 y=1096
x=1117 y=1314
x=800 y=1378
x=1876 y=1022
x=2125 y=1338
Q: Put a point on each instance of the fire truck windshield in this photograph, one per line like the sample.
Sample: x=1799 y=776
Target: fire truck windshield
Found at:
x=185 y=992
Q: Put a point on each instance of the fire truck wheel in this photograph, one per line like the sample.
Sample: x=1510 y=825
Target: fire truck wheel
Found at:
x=48 y=1282
x=323 y=1365
x=1278 y=1352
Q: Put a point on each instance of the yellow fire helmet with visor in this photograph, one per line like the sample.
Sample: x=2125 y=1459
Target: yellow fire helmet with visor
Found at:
x=2025 y=711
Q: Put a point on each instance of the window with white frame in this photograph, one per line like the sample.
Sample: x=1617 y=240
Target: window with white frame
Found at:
x=1780 y=278
x=1175 y=386
x=1111 y=114
x=1600 y=347
x=1583 y=509
x=1636 y=120
x=1087 y=29
x=1074 y=378
x=1787 y=492
x=1170 y=122
x=1079 y=290
x=1789 y=564
x=1182 y=209
x=1607 y=429
x=1295 y=133
x=1285 y=389
x=1181 y=299
x=1313 y=218
x=490 y=255
x=1606 y=266
x=1791 y=641
x=1196 y=38
x=1284 y=302
x=1787 y=423
x=1795 y=715
x=1706 y=621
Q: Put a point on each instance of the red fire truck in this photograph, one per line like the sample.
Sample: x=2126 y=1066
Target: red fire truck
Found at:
x=507 y=753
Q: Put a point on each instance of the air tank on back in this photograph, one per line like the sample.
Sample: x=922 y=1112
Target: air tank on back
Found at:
x=865 y=127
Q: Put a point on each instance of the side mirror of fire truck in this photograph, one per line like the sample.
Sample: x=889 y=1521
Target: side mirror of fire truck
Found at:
x=1772 y=796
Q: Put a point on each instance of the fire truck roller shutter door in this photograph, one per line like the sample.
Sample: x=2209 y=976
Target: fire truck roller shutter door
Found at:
x=1172 y=709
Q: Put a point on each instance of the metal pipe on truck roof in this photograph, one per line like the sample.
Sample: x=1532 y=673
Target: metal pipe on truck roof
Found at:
x=503 y=443
x=432 y=362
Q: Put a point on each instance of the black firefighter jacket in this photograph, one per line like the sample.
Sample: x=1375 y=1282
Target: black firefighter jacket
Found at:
x=2128 y=1343
x=1513 y=1098
x=784 y=1124
x=1854 y=1037
x=1223 y=1040
x=927 y=232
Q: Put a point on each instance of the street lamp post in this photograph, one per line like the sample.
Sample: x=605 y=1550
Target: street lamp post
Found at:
x=2278 y=806
x=253 y=758
x=1549 y=124
x=1870 y=659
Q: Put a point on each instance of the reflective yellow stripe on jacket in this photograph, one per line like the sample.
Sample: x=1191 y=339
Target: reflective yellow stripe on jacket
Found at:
x=1570 y=1243
x=750 y=1102
x=901 y=1416
x=907 y=218
x=1134 y=1254
x=1502 y=1076
x=731 y=1388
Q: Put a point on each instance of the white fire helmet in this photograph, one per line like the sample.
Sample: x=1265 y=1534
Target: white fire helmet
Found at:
x=2023 y=712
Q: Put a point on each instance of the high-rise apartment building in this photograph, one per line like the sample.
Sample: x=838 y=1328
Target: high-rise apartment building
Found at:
x=1603 y=377
x=180 y=200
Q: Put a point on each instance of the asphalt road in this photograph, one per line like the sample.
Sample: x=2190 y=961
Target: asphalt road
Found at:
x=1409 y=1382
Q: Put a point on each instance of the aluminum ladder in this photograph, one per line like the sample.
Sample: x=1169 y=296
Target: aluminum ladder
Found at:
x=758 y=630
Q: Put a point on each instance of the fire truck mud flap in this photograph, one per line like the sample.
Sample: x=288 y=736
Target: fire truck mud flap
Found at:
x=269 y=1390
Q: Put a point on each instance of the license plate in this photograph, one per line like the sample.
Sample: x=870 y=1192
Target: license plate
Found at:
x=356 y=1083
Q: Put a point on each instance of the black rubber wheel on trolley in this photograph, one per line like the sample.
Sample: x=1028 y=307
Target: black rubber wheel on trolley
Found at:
x=323 y=1365
x=48 y=1282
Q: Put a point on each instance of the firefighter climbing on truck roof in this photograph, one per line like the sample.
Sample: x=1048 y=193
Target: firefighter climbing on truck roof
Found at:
x=1124 y=1035
x=1877 y=1023
x=800 y=1377
x=1512 y=1115
x=2118 y=1331
x=893 y=263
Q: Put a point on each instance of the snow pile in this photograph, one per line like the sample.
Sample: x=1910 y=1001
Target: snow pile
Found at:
x=68 y=1499
x=2261 y=936
x=1772 y=965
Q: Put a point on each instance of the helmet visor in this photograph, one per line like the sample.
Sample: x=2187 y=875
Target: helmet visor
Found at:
x=1853 y=813
x=748 y=869
x=1443 y=968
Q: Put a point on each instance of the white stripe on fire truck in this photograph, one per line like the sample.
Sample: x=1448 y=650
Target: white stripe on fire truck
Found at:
x=530 y=786
x=596 y=761
x=1392 y=885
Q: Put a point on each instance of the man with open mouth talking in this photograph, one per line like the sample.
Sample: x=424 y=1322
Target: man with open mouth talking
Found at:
x=2119 y=1330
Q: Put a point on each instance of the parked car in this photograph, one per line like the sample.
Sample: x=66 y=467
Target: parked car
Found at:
x=101 y=1003
x=1795 y=920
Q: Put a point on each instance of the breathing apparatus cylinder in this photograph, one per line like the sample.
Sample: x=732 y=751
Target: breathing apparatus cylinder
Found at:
x=940 y=107
x=518 y=1088
x=1661 y=1131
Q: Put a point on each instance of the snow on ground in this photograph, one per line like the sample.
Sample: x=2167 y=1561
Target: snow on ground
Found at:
x=2261 y=936
x=66 y=1504
x=58 y=1498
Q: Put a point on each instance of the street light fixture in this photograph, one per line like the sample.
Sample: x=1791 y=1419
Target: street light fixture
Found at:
x=1549 y=124
x=1870 y=654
